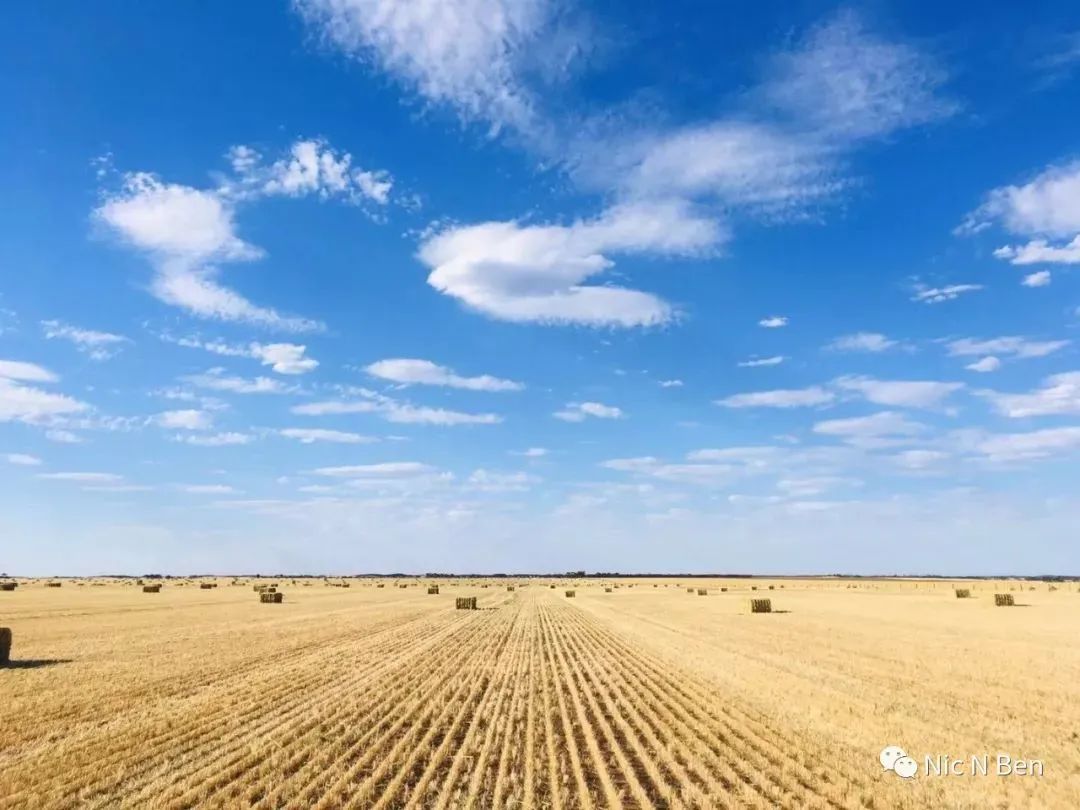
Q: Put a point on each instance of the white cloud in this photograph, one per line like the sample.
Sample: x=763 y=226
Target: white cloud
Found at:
x=762 y=361
x=217 y=380
x=312 y=435
x=187 y=233
x=28 y=372
x=1033 y=445
x=284 y=358
x=392 y=410
x=847 y=83
x=883 y=425
x=862 y=342
x=937 y=295
x=466 y=54
x=780 y=398
x=25 y=403
x=424 y=372
x=189 y=419
x=1016 y=346
x=207 y=489
x=773 y=322
x=1047 y=208
x=671 y=383
x=83 y=477
x=311 y=167
x=580 y=411
x=62 y=437
x=986 y=364
x=488 y=481
x=1040 y=278
x=532 y=452
x=387 y=469
x=216 y=439
x=1059 y=395
x=899 y=393
x=538 y=273
x=22 y=459
x=97 y=345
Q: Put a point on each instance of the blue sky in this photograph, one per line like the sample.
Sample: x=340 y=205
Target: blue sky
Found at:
x=357 y=285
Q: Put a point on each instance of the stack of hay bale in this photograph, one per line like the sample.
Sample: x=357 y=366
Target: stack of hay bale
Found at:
x=465 y=603
x=271 y=597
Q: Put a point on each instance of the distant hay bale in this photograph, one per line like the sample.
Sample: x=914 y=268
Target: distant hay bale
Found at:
x=509 y=587
x=571 y=594
x=761 y=605
x=465 y=603
x=5 y=644
x=702 y=592
x=723 y=590
x=151 y=589
x=1052 y=588
x=690 y=591
x=205 y=586
x=7 y=586
x=552 y=587
x=772 y=587
x=433 y=589
x=753 y=587
x=607 y=590
x=963 y=593
x=381 y=585
x=271 y=597
x=1004 y=600
x=53 y=584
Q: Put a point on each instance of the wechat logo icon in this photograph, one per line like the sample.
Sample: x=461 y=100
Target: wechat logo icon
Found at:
x=894 y=759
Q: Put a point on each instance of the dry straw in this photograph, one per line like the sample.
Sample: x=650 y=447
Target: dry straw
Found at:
x=5 y=644
x=761 y=605
x=1004 y=600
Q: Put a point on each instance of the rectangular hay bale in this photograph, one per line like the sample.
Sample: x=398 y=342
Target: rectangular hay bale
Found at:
x=5 y=644
x=761 y=605
x=1004 y=600
x=465 y=603
x=151 y=589
x=963 y=593
x=571 y=594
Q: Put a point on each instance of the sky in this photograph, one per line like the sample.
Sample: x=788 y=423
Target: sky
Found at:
x=478 y=285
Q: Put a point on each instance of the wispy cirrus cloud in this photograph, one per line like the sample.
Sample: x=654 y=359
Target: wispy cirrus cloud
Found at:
x=408 y=371
x=96 y=345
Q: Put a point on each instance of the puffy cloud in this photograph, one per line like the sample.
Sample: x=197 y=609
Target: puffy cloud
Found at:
x=937 y=295
x=97 y=345
x=580 y=411
x=185 y=420
x=1040 y=278
x=762 y=361
x=862 y=342
x=1059 y=395
x=28 y=372
x=312 y=435
x=538 y=273
x=284 y=358
x=780 y=398
x=1047 y=208
x=424 y=372
x=773 y=322
x=900 y=393
x=986 y=364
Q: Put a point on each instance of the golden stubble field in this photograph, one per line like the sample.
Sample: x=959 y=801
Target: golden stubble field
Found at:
x=644 y=696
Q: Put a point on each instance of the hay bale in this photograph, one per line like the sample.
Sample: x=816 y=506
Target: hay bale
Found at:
x=465 y=603
x=151 y=589
x=53 y=584
x=761 y=605
x=552 y=587
x=702 y=592
x=1004 y=600
x=271 y=597
x=963 y=593
x=381 y=585
x=690 y=591
x=5 y=644
x=7 y=586
x=753 y=587
x=772 y=587
x=607 y=590
x=510 y=588
x=205 y=586
x=723 y=590
x=433 y=589
x=571 y=594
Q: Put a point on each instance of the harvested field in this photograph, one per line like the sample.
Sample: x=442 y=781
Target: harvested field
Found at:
x=373 y=698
